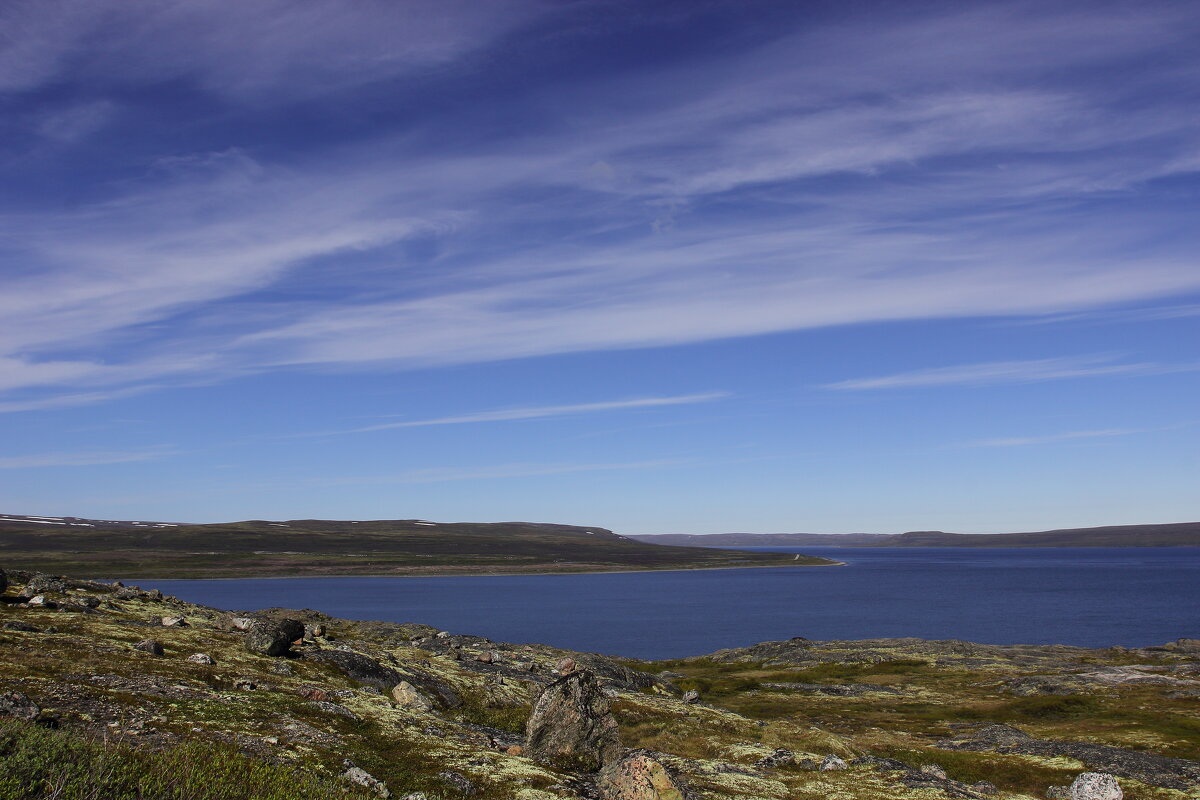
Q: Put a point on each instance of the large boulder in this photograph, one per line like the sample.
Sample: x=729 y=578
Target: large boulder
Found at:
x=637 y=776
x=572 y=725
x=1096 y=786
x=273 y=637
x=408 y=696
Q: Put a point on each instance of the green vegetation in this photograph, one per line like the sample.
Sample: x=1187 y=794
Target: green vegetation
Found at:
x=43 y=764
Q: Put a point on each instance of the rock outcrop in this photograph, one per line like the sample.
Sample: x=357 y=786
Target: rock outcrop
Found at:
x=572 y=726
x=358 y=667
x=1169 y=773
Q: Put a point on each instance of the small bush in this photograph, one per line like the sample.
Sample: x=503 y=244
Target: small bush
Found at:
x=1051 y=707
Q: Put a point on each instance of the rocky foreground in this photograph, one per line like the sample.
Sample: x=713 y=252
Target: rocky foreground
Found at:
x=111 y=691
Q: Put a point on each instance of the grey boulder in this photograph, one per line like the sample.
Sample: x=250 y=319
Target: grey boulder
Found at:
x=273 y=637
x=572 y=726
x=1096 y=786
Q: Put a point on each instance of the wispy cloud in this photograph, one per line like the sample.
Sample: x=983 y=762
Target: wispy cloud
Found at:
x=849 y=158
x=86 y=459
x=1019 y=441
x=269 y=51
x=544 y=412
x=499 y=471
x=1120 y=315
x=1000 y=372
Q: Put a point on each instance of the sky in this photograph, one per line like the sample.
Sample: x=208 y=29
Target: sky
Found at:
x=670 y=267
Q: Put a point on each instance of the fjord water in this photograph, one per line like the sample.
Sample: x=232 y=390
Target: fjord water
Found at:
x=1094 y=597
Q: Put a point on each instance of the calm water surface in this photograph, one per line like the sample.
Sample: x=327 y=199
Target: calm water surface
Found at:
x=1094 y=597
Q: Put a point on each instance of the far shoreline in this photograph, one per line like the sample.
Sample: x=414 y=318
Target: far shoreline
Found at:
x=830 y=563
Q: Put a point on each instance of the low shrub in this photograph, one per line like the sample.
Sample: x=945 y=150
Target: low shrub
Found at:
x=41 y=764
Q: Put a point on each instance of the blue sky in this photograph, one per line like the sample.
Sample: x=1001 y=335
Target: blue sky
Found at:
x=658 y=267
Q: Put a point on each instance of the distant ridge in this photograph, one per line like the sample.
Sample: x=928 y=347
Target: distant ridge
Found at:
x=1176 y=534
x=763 y=539
x=263 y=548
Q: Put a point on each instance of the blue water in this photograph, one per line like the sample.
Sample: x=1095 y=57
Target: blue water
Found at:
x=1094 y=597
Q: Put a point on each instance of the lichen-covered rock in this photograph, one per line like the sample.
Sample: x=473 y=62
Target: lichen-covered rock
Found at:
x=149 y=646
x=408 y=696
x=360 y=776
x=832 y=763
x=637 y=776
x=18 y=706
x=174 y=622
x=781 y=757
x=273 y=637
x=572 y=725
x=41 y=583
x=458 y=782
x=201 y=658
x=691 y=696
x=1096 y=786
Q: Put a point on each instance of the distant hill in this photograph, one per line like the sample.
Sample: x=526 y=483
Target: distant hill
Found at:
x=763 y=539
x=1179 y=534
x=262 y=548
